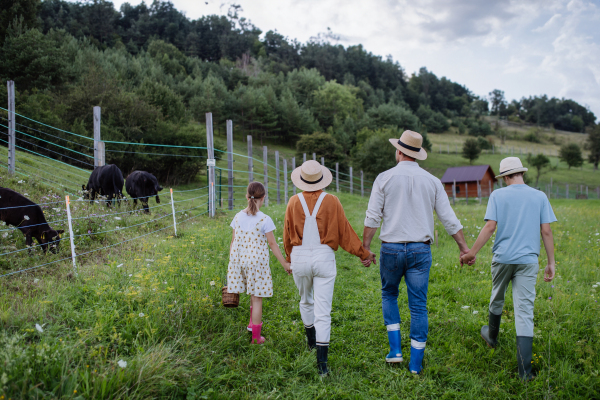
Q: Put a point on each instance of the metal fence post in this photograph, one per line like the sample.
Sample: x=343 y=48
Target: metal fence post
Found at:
x=250 y=164
x=277 y=177
x=97 y=119
x=211 y=168
x=293 y=168
x=285 y=182
x=314 y=156
x=351 y=181
x=173 y=209
x=466 y=193
x=12 y=139
x=323 y=161
x=230 y=164
x=303 y=158
x=479 y=191
x=266 y=172
x=337 y=177
x=454 y=193
x=71 y=237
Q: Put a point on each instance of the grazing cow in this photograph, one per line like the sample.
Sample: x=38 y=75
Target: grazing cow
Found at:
x=141 y=185
x=106 y=181
x=17 y=210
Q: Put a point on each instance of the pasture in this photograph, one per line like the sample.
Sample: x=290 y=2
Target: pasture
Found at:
x=143 y=320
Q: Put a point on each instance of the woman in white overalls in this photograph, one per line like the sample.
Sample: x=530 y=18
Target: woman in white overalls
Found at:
x=313 y=263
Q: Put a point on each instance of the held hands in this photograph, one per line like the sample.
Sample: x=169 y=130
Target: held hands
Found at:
x=288 y=267
x=467 y=257
x=549 y=272
x=371 y=259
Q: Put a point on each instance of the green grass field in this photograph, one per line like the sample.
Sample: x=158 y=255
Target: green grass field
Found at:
x=154 y=304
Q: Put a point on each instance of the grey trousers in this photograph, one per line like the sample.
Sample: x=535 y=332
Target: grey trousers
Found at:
x=523 y=278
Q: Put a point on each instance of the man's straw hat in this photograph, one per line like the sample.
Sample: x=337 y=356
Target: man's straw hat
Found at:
x=410 y=143
x=311 y=176
x=510 y=165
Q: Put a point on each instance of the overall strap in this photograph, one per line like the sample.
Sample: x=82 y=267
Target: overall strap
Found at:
x=304 y=206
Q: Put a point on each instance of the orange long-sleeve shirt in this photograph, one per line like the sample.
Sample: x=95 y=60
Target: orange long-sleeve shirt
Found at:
x=334 y=228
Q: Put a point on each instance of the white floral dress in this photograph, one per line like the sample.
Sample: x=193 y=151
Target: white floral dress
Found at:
x=249 y=269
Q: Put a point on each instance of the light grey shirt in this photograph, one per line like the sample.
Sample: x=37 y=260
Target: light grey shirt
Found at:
x=404 y=198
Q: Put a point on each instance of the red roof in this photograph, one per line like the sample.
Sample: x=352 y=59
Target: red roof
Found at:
x=471 y=173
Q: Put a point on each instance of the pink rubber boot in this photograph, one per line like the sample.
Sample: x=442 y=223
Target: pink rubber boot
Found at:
x=256 y=338
x=250 y=322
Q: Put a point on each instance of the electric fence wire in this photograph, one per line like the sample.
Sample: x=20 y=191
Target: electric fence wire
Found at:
x=49 y=126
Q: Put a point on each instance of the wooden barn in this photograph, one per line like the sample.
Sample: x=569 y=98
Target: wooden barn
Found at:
x=468 y=178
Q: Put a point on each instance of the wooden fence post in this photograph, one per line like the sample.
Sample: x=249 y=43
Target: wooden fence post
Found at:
x=351 y=182
x=230 y=163
x=277 y=176
x=337 y=177
x=211 y=169
x=250 y=164
x=293 y=168
x=12 y=139
x=362 y=187
x=97 y=120
x=266 y=172
x=285 y=182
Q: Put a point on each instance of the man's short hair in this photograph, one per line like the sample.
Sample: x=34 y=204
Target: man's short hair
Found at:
x=516 y=174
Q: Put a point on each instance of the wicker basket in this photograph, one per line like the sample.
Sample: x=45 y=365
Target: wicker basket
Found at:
x=230 y=300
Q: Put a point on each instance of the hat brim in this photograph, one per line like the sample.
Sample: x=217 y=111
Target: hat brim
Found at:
x=312 y=187
x=419 y=155
x=512 y=171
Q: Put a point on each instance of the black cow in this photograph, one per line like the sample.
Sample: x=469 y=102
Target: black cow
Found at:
x=141 y=185
x=106 y=181
x=29 y=218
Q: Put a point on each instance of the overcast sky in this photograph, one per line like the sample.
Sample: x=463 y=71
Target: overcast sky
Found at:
x=522 y=47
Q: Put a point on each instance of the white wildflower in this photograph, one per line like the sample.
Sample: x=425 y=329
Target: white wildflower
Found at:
x=141 y=314
x=119 y=266
x=21 y=182
x=212 y=283
x=475 y=312
x=56 y=209
x=464 y=307
x=5 y=235
x=117 y=218
x=26 y=217
x=122 y=363
x=594 y=286
x=25 y=194
x=149 y=260
x=130 y=274
x=39 y=328
x=36 y=280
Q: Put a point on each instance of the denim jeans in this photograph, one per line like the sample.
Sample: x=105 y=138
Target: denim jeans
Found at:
x=411 y=261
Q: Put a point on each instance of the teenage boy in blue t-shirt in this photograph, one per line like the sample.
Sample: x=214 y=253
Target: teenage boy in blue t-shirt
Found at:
x=520 y=213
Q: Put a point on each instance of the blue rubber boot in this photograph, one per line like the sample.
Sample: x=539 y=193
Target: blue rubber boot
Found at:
x=416 y=358
x=395 y=354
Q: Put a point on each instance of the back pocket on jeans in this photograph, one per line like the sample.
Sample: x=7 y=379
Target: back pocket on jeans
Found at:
x=389 y=260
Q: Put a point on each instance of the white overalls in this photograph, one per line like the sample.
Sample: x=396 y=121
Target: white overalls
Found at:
x=313 y=266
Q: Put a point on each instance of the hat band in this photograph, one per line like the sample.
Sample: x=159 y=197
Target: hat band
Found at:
x=508 y=170
x=313 y=182
x=409 y=147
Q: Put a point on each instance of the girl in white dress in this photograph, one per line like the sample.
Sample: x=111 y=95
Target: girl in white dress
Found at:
x=248 y=269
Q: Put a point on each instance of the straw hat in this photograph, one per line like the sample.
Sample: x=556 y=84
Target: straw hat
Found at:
x=410 y=144
x=510 y=165
x=311 y=176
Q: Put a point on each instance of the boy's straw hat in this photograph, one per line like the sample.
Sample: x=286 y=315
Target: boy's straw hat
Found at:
x=510 y=165
x=311 y=176
x=410 y=143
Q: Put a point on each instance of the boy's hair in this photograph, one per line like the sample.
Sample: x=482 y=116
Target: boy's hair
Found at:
x=516 y=174
x=255 y=192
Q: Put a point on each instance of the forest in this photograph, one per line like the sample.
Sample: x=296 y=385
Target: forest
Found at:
x=155 y=73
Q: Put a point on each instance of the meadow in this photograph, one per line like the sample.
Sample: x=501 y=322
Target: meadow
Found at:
x=143 y=320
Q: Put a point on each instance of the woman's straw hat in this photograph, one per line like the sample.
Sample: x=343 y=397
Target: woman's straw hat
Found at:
x=510 y=165
x=410 y=144
x=311 y=176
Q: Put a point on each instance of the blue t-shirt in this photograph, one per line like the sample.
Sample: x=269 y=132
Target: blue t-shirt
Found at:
x=519 y=211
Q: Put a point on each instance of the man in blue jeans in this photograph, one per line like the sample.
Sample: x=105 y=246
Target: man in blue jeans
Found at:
x=403 y=200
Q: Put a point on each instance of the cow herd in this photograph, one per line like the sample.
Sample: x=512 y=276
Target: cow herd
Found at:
x=105 y=184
